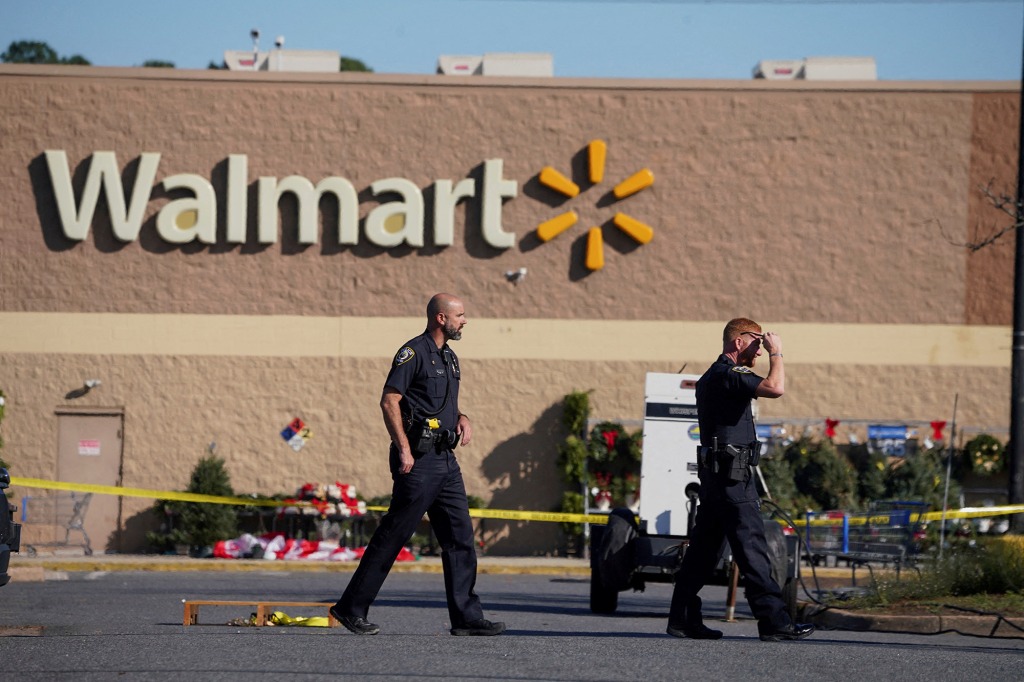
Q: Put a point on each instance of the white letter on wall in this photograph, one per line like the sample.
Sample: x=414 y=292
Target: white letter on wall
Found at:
x=238 y=200
x=270 y=191
x=445 y=200
x=396 y=221
x=495 y=189
x=183 y=220
x=348 y=207
x=126 y=222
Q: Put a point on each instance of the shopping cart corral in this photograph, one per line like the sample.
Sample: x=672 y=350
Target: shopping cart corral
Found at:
x=887 y=535
x=62 y=513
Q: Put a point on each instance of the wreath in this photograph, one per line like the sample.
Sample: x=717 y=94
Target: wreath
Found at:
x=985 y=455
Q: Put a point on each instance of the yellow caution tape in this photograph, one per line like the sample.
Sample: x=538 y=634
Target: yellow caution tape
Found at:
x=507 y=514
x=504 y=514
x=558 y=517
x=919 y=517
x=975 y=512
x=144 y=492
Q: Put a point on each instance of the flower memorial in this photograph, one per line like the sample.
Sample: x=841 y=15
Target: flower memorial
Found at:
x=334 y=501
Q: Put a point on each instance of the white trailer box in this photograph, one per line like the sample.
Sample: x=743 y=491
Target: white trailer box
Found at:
x=668 y=471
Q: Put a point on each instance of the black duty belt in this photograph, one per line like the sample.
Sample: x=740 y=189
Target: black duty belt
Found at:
x=733 y=461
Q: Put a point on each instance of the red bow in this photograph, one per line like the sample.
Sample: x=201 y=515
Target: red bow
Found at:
x=830 y=427
x=937 y=430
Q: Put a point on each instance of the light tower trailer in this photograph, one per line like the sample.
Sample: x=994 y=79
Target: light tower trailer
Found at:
x=626 y=554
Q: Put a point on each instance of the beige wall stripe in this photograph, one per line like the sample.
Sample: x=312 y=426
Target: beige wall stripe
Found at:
x=582 y=340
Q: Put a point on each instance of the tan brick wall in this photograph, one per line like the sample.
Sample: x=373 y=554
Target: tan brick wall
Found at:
x=793 y=205
x=994 y=158
x=829 y=200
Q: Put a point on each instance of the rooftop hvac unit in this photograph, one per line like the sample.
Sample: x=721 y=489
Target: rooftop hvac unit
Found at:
x=450 y=65
x=321 y=61
x=840 y=69
x=779 y=69
x=519 y=64
x=246 y=60
x=818 y=69
x=538 y=64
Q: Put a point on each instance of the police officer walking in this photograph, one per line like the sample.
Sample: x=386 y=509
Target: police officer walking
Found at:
x=729 y=504
x=420 y=404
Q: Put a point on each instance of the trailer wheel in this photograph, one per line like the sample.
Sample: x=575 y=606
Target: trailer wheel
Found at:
x=778 y=554
x=612 y=560
x=602 y=600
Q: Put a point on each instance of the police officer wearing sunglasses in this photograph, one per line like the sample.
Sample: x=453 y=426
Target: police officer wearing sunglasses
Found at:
x=729 y=503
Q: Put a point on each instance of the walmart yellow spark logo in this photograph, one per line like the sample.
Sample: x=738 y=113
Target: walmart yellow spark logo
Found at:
x=597 y=150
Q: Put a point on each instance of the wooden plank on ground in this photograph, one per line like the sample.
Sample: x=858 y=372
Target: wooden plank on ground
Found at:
x=21 y=630
x=264 y=609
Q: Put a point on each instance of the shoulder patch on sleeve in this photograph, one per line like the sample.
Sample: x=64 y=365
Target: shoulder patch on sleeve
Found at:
x=404 y=355
x=740 y=369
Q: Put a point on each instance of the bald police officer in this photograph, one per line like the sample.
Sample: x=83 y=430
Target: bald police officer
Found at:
x=420 y=404
x=729 y=503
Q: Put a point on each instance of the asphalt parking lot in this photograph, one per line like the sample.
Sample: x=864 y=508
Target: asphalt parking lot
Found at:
x=98 y=624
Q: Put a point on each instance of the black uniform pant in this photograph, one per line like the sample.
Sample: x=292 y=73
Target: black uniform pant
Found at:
x=733 y=512
x=435 y=487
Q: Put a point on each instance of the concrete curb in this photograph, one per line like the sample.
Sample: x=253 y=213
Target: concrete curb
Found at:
x=933 y=624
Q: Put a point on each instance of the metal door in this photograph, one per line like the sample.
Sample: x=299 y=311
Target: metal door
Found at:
x=90 y=451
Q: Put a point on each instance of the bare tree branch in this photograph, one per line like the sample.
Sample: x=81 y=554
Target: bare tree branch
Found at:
x=1000 y=201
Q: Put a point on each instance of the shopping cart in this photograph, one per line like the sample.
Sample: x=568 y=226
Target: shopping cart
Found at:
x=61 y=512
x=885 y=536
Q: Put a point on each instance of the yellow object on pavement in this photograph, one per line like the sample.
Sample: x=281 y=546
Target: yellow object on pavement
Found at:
x=282 y=618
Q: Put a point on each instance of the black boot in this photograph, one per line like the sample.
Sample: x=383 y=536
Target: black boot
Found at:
x=698 y=631
x=790 y=631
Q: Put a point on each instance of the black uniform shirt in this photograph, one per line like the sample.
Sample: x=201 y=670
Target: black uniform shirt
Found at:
x=424 y=374
x=723 y=404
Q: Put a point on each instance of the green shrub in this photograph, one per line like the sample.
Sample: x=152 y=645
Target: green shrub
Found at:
x=995 y=567
x=572 y=459
x=988 y=566
x=572 y=503
x=575 y=411
x=778 y=476
x=607 y=458
x=203 y=524
x=921 y=476
x=823 y=474
x=871 y=472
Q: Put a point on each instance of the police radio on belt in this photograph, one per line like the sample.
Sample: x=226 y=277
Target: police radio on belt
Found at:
x=424 y=434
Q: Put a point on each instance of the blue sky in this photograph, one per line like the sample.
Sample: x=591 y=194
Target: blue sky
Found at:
x=944 y=40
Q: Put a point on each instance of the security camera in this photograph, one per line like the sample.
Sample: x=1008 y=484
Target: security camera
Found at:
x=255 y=33
x=515 y=276
x=279 y=42
x=92 y=383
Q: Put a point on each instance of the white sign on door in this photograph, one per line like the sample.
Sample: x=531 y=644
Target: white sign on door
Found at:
x=89 y=447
